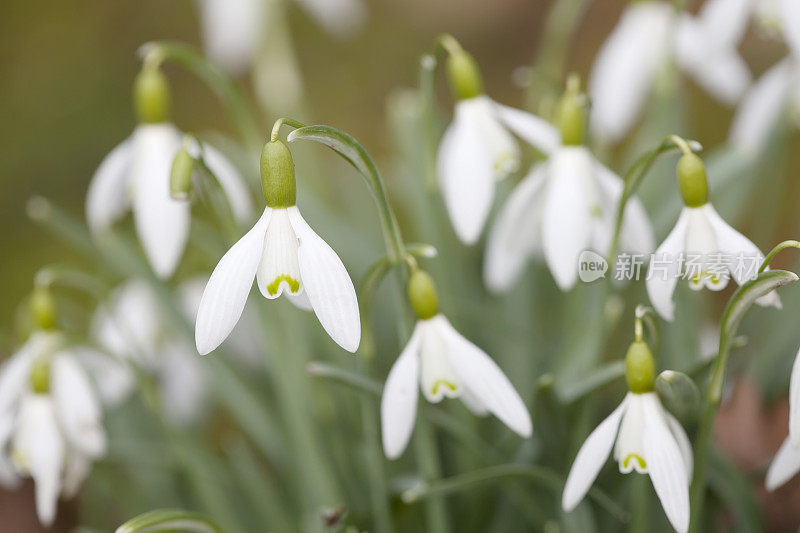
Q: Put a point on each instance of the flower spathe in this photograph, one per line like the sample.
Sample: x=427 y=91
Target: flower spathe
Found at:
x=478 y=149
x=787 y=461
x=53 y=434
x=441 y=363
x=136 y=174
x=563 y=206
x=287 y=257
x=649 y=440
x=722 y=253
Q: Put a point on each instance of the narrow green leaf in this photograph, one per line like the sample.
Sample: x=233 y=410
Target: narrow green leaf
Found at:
x=169 y=520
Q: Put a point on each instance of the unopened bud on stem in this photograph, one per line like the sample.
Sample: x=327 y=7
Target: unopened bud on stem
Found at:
x=464 y=75
x=277 y=175
x=640 y=368
x=692 y=180
x=151 y=95
x=422 y=294
x=43 y=308
x=40 y=375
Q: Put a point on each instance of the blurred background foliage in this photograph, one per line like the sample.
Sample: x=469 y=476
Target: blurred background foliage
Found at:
x=65 y=99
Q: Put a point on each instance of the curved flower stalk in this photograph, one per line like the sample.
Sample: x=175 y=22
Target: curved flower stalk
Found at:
x=50 y=421
x=701 y=247
x=286 y=257
x=644 y=437
x=232 y=30
x=626 y=67
x=442 y=363
x=478 y=147
x=564 y=206
x=136 y=175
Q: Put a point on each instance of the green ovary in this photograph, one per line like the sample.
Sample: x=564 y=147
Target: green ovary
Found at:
x=294 y=285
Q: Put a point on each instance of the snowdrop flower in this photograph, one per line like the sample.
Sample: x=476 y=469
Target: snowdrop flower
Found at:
x=648 y=440
x=442 y=363
x=286 y=257
x=702 y=245
x=564 y=206
x=50 y=421
x=136 y=175
x=787 y=462
x=649 y=34
x=478 y=148
x=233 y=29
x=782 y=18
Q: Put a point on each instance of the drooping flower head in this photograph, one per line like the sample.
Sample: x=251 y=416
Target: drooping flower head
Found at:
x=478 y=148
x=441 y=363
x=564 y=206
x=136 y=175
x=644 y=437
x=701 y=248
x=286 y=257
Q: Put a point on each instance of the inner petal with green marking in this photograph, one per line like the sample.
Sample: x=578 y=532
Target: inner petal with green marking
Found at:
x=279 y=269
x=438 y=378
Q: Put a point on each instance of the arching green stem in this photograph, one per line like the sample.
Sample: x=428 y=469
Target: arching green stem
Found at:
x=775 y=251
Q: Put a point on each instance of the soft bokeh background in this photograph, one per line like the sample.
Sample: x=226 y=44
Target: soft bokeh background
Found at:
x=65 y=101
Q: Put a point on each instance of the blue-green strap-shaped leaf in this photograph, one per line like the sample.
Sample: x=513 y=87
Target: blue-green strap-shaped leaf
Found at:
x=169 y=520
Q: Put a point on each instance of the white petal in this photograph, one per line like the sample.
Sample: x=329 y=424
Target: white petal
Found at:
x=784 y=466
x=39 y=446
x=682 y=440
x=231 y=31
x=76 y=406
x=227 y=290
x=231 y=181
x=761 y=107
x=636 y=233
x=794 y=403
x=661 y=279
x=484 y=379
x=590 y=459
x=399 y=400
x=516 y=233
x=162 y=223
x=625 y=67
x=466 y=176
x=567 y=221
x=8 y=475
x=473 y=403
x=725 y=20
x=328 y=285
x=15 y=372
x=534 y=130
x=76 y=470
x=107 y=198
x=791 y=25
x=341 y=18
x=114 y=379
x=300 y=300
x=279 y=270
x=666 y=466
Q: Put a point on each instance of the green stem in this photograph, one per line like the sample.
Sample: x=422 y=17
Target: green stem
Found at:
x=647 y=318
x=640 y=522
x=280 y=122
x=775 y=251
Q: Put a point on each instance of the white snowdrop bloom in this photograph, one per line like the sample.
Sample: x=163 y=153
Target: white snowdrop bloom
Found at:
x=441 y=363
x=647 y=37
x=478 y=148
x=701 y=247
x=782 y=18
x=648 y=440
x=787 y=461
x=286 y=257
x=136 y=175
x=50 y=421
x=232 y=30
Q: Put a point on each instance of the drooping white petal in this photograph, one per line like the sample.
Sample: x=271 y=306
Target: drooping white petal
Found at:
x=341 y=18
x=231 y=181
x=784 y=466
x=629 y=449
x=516 y=233
x=473 y=403
x=725 y=20
x=76 y=406
x=761 y=107
x=182 y=383
x=438 y=378
x=8 y=474
x=231 y=31
x=38 y=449
x=567 y=219
x=466 y=176
x=328 y=285
x=794 y=403
x=76 y=470
x=682 y=440
x=484 y=379
x=790 y=11
x=590 y=459
x=666 y=466
x=228 y=287
x=300 y=300
x=162 y=223
x=15 y=371
x=534 y=130
x=107 y=198
x=665 y=268
x=624 y=69
x=399 y=400
x=503 y=148
x=279 y=269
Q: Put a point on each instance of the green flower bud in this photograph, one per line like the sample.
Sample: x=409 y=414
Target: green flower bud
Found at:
x=422 y=294
x=571 y=119
x=40 y=375
x=692 y=180
x=43 y=308
x=151 y=96
x=180 y=176
x=277 y=175
x=640 y=368
x=464 y=75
